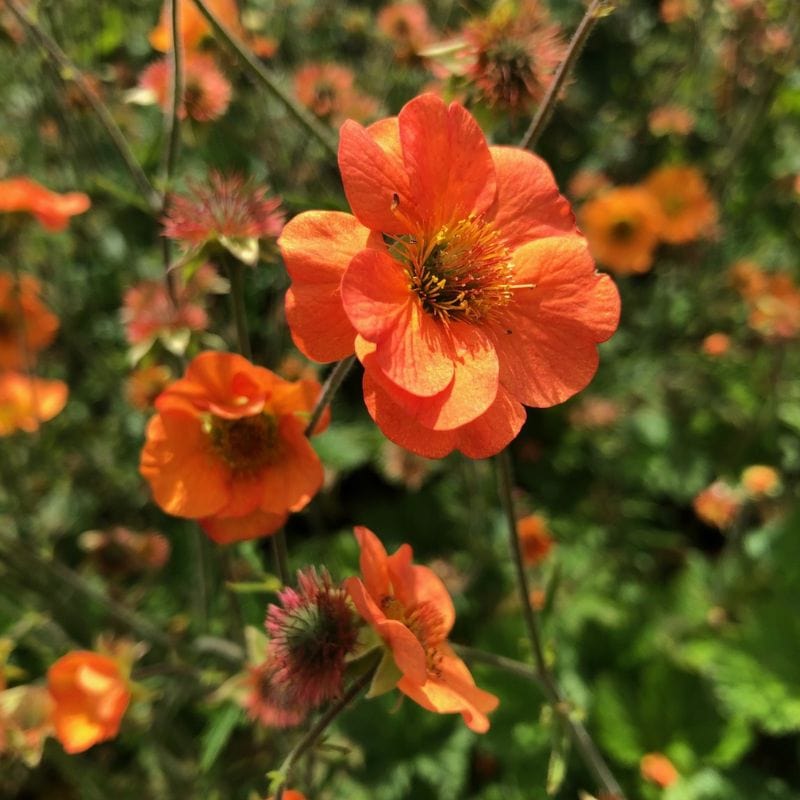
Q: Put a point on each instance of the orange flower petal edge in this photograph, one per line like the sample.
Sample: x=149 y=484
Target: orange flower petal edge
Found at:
x=51 y=209
x=409 y=607
x=460 y=281
x=26 y=402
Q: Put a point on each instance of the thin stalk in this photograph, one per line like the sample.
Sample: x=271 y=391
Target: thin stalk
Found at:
x=310 y=739
x=597 y=9
x=71 y=71
x=280 y=555
x=329 y=389
x=236 y=270
x=476 y=656
x=262 y=76
x=580 y=736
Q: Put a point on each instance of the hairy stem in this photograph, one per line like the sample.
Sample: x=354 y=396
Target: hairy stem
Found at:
x=236 y=271
x=329 y=389
x=580 y=736
x=597 y=9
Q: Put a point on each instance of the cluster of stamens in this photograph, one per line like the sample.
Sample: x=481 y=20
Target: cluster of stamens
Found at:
x=246 y=444
x=425 y=622
x=463 y=273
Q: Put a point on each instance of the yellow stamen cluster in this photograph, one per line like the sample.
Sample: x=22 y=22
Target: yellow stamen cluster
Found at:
x=246 y=444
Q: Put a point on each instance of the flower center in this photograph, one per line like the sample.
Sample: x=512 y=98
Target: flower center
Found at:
x=463 y=273
x=508 y=72
x=623 y=230
x=424 y=621
x=246 y=444
x=7 y=325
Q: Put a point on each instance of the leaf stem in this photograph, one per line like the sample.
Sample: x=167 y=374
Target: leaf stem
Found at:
x=71 y=71
x=580 y=736
x=329 y=389
x=262 y=76
x=596 y=10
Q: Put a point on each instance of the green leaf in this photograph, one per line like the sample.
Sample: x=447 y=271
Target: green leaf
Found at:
x=217 y=734
x=386 y=676
x=557 y=766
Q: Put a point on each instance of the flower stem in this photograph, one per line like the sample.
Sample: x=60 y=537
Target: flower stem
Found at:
x=329 y=389
x=262 y=76
x=476 y=656
x=596 y=10
x=236 y=270
x=580 y=736
x=71 y=72
x=280 y=555
x=310 y=739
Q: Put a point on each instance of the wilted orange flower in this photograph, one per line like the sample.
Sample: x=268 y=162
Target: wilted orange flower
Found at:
x=459 y=258
x=688 y=211
x=120 y=552
x=51 y=209
x=622 y=227
x=206 y=91
x=657 y=768
x=192 y=24
x=90 y=695
x=670 y=119
x=535 y=538
x=26 y=324
x=407 y=25
x=716 y=344
x=26 y=720
x=25 y=402
x=717 y=505
x=410 y=609
x=145 y=384
x=227 y=447
x=759 y=480
x=328 y=91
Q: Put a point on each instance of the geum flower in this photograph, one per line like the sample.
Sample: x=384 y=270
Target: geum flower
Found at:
x=26 y=324
x=227 y=447
x=460 y=282
x=26 y=402
x=52 y=210
x=410 y=609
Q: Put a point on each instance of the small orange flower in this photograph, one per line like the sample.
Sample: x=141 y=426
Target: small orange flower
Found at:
x=458 y=258
x=410 y=609
x=718 y=505
x=90 y=695
x=25 y=402
x=688 y=211
x=748 y=279
x=145 y=384
x=622 y=226
x=716 y=344
x=586 y=183
x=192 y=24
x=670 y=119
x=26 y=720
x=290 y=794
x=658 y=769
x=51 y=209
x=227 y=447
x=329 y=91
x=535 y=538
x=759 y=480
x=26 y=324
x=775 y=310
x=407 y=25
x=206 y=91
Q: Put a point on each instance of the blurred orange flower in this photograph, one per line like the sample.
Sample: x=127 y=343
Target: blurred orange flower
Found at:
x=657 y=768
x=145 y=384
x=759 y=480
x=407 y=25
x=748 y=278
x=670 y=119
x=718 y=505
x=328 y=90
x=622 y=226
x=535 y=538
x=51 y=209
x=716 y=344
x=459 y=257
x=688 y=210
x=25 y=402
x=90 y=696
x=409 y=607
x=594 y=412
x=26 y=324
x=290 y=794
x=227 y=447
x=192 y=24
x=26 y=720
x=775 y=310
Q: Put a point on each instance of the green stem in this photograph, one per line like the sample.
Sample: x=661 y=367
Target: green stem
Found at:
x=580 y=736
x=236 y=270
x=71 y=72
x=280 y=555
x=476 y=656
x=329 y=389
x=597 y=9
x=310 y=739
x=260 y=75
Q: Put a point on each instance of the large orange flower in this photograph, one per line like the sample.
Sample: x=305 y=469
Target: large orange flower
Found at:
x=90 y=696
x=192 y=24
x=227 y=447
x=461 y=282
x=622 y=226
x=26 y=324
x=25 y=402
x=688 y=210
x=51 y=209
x=410 y=609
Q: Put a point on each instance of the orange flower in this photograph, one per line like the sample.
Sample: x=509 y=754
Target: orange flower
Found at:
x=26 y=325
x=26 y=720
x=716 y=344
x=328 y=90
x=145 y=384
x=717 y=505
x=25 y=402
x=775 y=311
x=227 y=448
x=688 y=211
x=535 y=538
x=407 y=25
x=192 y=24
x=594 y=412
x=670 y=119
x=290 y=794
x=748 y=279
x=622 y=227
x=759 y=480
x=459 y=258
x=51 y=209
x=410 y=609
x=90 y=695
x=657 y=768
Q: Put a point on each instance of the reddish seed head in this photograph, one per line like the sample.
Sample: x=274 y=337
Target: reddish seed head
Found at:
x=270 y=703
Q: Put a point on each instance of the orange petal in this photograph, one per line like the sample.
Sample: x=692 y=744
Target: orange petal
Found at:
x=317 y=246
x=224 y=530
x=528 y=204
x=408 y=653
x=450 y=170
x=373 y=562
x=492 y=431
